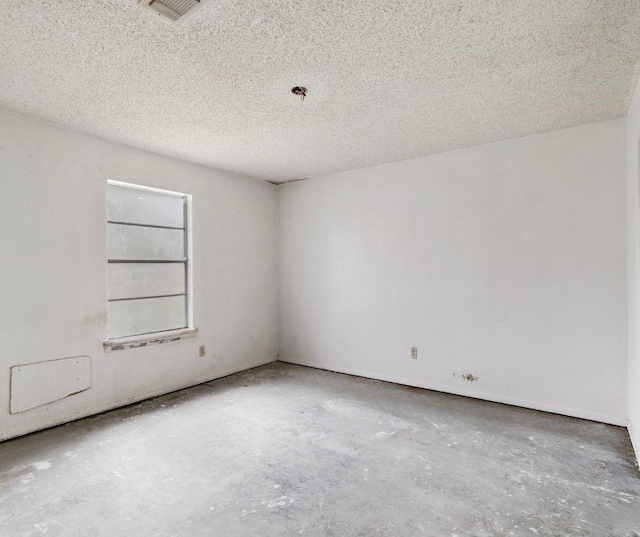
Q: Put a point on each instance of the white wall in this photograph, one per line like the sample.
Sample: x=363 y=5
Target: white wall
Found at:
x=53 y=269
x=633 y=139
x=506 y=261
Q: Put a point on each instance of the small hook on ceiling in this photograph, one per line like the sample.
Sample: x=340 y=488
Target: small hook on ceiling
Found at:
x=299 y=90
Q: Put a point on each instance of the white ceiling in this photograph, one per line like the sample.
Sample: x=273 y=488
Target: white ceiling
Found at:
x=388 y=79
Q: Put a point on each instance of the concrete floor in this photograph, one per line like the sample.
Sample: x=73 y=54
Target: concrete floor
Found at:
x=287 y=450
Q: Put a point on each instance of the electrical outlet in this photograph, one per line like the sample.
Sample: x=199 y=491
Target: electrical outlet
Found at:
x=414 y=353
x=202 y=351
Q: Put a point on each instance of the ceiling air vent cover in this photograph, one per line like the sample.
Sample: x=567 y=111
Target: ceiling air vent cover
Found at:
x=172 y=9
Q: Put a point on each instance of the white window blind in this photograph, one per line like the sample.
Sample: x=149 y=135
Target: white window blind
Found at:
x=148 y=260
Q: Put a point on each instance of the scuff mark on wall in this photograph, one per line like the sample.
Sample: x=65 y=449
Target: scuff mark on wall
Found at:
x=469 y=377
x=96 y=319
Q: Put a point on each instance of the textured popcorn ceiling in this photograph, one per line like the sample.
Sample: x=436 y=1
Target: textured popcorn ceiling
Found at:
x=387 y=79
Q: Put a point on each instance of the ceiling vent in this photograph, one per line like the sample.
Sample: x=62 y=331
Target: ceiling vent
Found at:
x=172 y=9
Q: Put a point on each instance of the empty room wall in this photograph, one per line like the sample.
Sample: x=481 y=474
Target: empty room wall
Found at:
x=504 y=264
x=633 y=177
x=53 y=270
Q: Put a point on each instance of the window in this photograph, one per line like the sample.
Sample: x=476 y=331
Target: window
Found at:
x=149 y=265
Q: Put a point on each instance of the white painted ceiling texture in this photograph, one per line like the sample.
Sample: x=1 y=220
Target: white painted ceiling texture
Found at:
x=388 y=79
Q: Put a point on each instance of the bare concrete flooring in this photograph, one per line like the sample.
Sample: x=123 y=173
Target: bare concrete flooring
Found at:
x=287 y=450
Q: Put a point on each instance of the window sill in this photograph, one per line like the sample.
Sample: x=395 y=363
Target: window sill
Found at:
x=144 y=340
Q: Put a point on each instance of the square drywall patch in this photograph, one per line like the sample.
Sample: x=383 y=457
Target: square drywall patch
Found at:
x=34 y=385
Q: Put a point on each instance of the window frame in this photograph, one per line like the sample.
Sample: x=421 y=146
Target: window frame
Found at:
x=141 y=340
